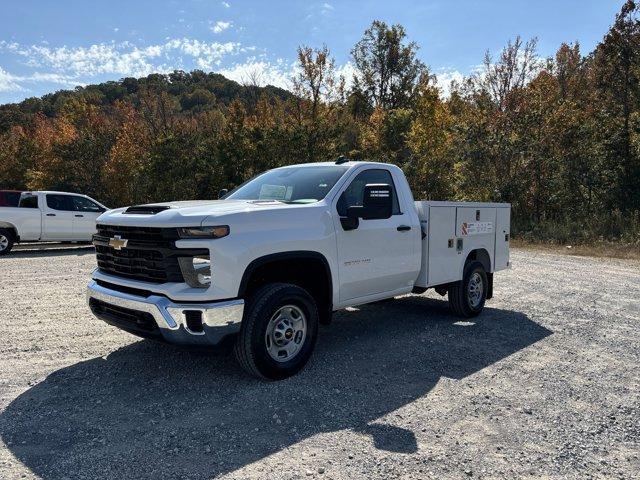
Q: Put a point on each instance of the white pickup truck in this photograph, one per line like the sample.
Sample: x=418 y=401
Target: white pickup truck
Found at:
x=49 y=217
x=276 y=256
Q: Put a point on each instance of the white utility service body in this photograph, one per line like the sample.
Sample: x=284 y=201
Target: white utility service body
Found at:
x=277 y=255
x=49 y=216
x=453 y=229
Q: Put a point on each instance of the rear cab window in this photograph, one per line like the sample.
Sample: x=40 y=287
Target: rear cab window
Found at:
x=28 y=201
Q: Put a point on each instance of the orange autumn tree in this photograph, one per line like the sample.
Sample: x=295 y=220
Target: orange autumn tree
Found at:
x=127 y=158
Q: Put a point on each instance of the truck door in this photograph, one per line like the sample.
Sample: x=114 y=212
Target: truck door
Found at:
x=378 y=256
x=84 y=220
x=441 y=255
x=503 y=230
x=57 y=217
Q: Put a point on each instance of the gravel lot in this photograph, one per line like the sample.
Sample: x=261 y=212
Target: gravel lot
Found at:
x=544 y=384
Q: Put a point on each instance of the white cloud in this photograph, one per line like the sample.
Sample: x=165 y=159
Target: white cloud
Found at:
x=261 y=72
x=326 y=11
x=15 y=83
x=72 y=66
x=122 y=58
x=279 y=73
x=220 y=26
x=444 y=77
x=8 y=82
x=348 y=70
x=225 y=4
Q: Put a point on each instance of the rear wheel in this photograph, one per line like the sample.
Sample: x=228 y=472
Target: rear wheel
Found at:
x=279 y=331
x=467 y=297
x=6 y=241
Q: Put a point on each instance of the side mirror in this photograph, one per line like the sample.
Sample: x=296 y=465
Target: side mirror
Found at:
x=377 y=202
x=222 y=193
x=351 y=221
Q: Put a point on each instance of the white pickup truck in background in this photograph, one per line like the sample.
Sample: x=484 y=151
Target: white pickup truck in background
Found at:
x=276 y=256
x=50 y=217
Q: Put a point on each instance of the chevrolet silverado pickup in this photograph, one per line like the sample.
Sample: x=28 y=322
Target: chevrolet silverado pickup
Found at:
x=49 y=217
x=270 y=261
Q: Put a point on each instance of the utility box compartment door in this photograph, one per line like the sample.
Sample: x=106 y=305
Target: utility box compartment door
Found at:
x=442 y=254
x=475 y=229
x=476 y=222
x=503 y=235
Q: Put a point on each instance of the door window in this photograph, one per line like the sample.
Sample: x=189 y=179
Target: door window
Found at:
x=354 y=193
x=82 y=204
x=60 y=202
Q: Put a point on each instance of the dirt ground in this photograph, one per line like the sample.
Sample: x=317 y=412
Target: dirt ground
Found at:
x=545 y=383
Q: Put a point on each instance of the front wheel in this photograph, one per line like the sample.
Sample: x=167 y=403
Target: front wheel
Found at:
x=467 y=297
x=279 y=331
x=6 y=241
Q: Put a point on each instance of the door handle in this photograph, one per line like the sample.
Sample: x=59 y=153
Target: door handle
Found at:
x=403 y=228
x=79 y=216
x=51 y=214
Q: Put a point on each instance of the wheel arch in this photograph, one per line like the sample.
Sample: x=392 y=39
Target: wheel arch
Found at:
x=480 y=255
x=307 y=269
x=10 y=226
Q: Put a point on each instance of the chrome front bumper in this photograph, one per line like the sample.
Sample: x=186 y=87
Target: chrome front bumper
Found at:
x=133 y=313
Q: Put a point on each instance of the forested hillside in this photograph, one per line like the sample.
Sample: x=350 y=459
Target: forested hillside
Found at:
x=557 y=137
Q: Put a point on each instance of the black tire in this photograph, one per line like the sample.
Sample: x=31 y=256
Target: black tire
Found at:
x=251 y=348
x=7 y=241
x=459 y=300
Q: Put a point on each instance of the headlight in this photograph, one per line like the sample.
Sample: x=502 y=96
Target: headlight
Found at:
x=196 y=270
x=204 y=232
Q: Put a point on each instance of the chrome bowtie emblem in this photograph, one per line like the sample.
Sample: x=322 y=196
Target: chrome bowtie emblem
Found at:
x=117 y=242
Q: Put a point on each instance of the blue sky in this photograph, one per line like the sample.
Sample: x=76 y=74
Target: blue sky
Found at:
x=49 y=45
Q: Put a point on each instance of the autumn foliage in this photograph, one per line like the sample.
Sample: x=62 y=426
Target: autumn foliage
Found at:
x=557 y=137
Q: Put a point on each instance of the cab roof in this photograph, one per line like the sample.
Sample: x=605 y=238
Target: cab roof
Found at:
x=348 y=163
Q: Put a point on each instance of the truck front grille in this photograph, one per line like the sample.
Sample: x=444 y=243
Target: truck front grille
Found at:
x=150 y=254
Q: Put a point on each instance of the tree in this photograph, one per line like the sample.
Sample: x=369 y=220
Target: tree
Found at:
x=558 y=138
x=616 y=74
x=430 y=140
x=317 y=88
x=387 y=69
x=14 y=160
x=123 y=171
x=514 y=68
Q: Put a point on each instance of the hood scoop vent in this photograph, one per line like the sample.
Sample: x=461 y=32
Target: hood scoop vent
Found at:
x=146 y=209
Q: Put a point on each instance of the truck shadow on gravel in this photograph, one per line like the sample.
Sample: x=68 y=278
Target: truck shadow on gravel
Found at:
x=152 y=411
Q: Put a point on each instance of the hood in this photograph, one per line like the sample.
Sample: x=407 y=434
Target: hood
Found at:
x=185 y=213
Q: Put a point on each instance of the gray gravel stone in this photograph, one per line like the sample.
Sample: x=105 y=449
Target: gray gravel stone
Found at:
x=543 y=384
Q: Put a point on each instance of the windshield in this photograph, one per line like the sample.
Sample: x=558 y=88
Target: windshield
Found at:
x=291 y=185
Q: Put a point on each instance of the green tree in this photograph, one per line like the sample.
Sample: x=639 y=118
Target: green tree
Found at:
x=616 y=74
x=388 y=71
